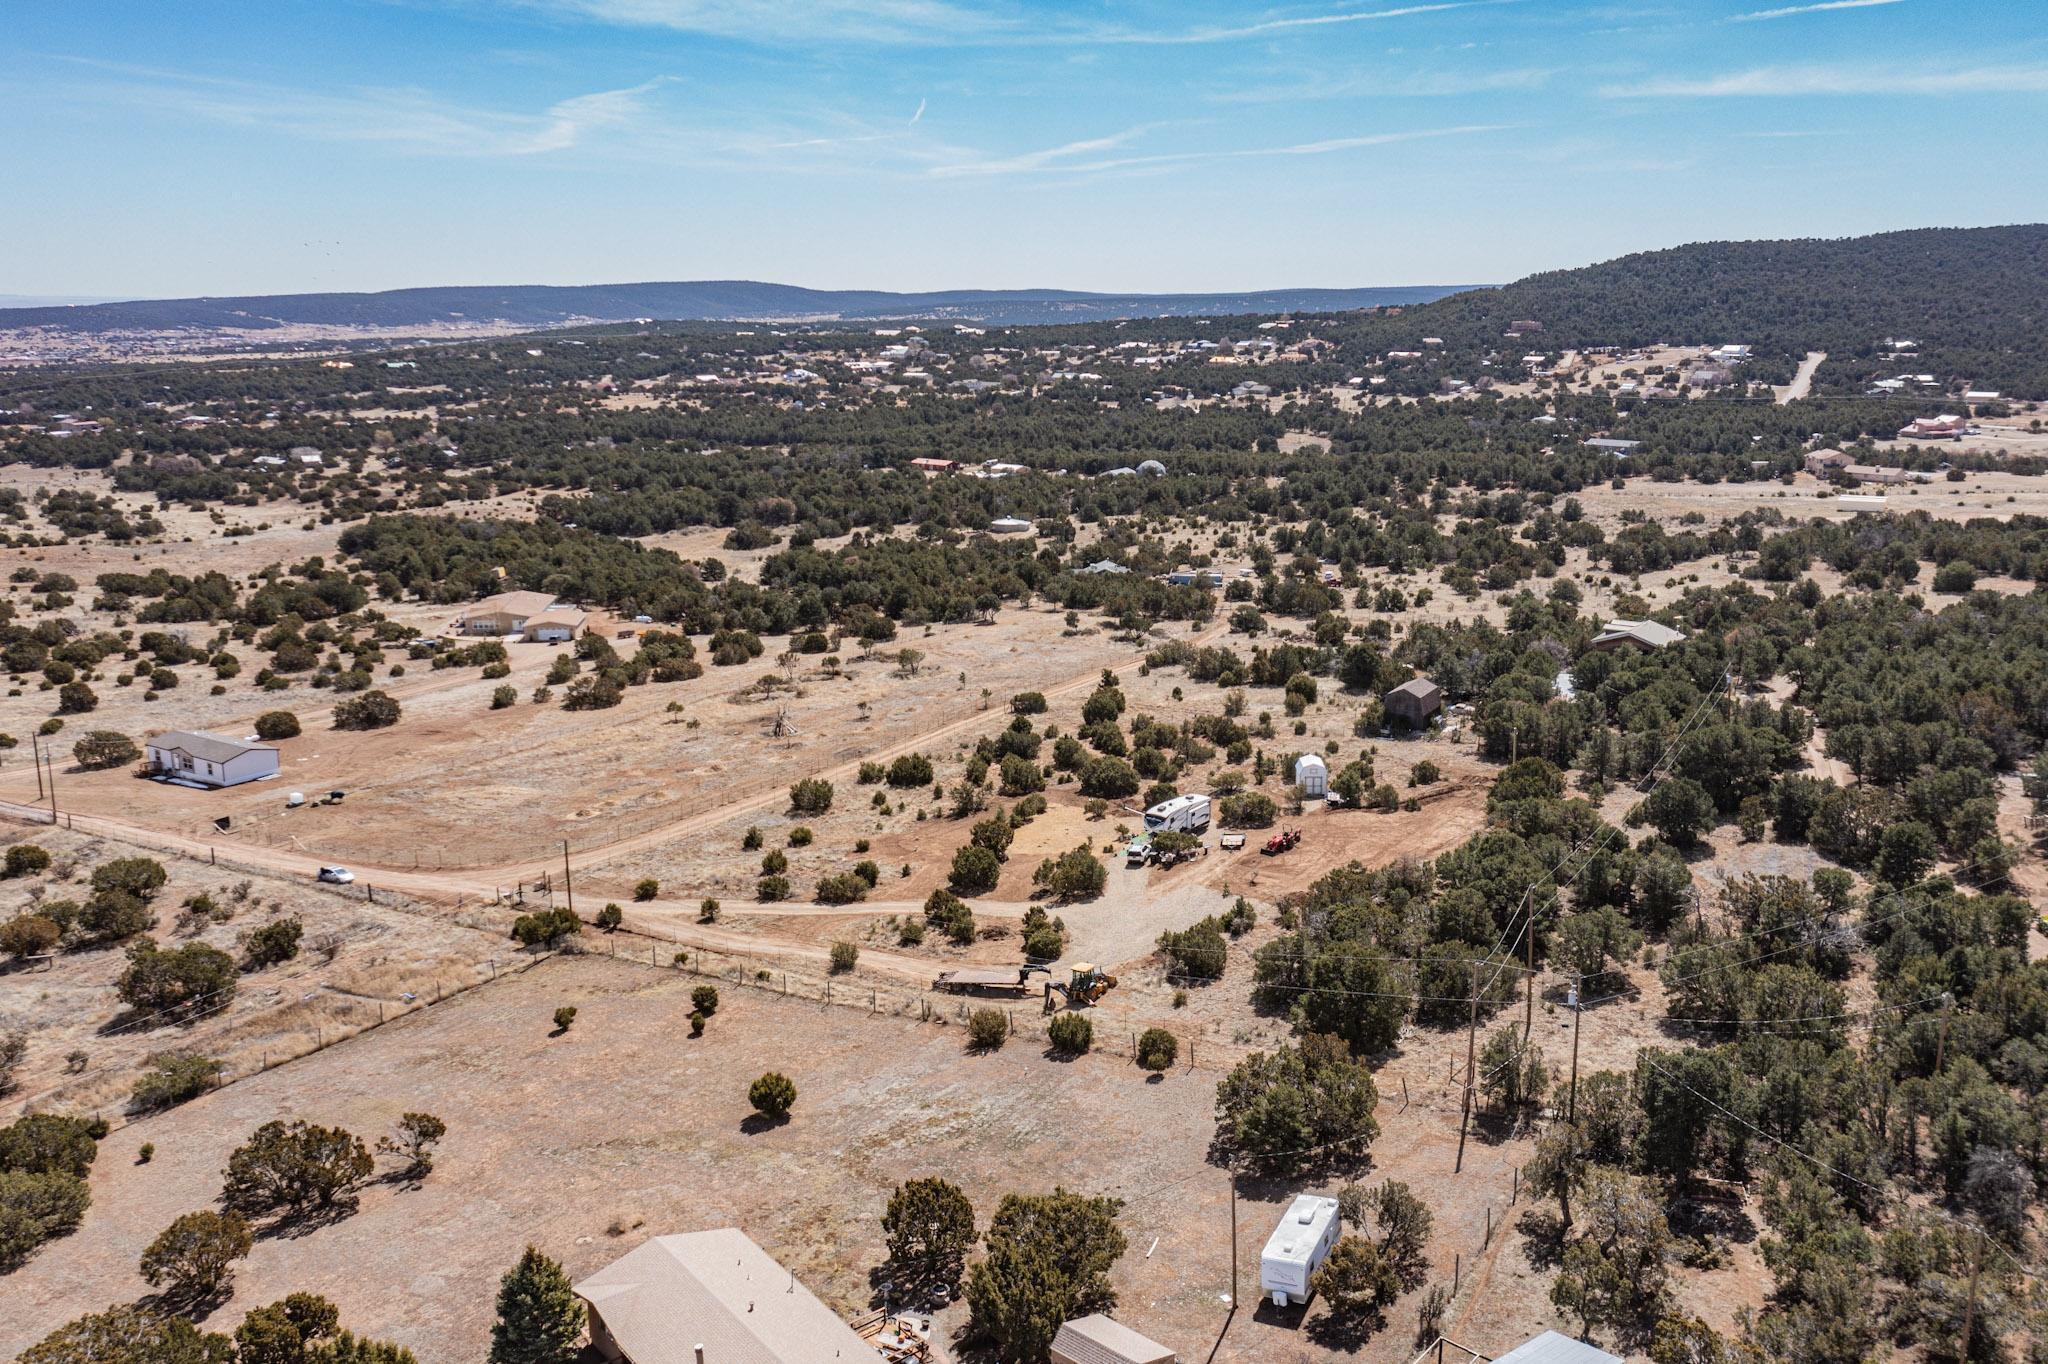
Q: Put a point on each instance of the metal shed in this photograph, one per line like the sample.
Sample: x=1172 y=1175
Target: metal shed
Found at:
x=1312 y=775
x=1554 y=1348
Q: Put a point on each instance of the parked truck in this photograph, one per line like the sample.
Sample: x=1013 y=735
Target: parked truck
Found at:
x=1297 y=1249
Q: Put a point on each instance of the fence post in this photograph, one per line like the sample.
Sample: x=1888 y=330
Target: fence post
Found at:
x=1457 y=1271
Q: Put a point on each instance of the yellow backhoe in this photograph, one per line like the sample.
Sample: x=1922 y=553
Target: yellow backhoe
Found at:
x=1085 y=985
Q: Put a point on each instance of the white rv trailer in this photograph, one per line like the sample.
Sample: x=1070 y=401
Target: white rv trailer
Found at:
x=1297 y=1249
x=1182 y=814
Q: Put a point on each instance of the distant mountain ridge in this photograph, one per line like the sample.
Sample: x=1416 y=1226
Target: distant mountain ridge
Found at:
x=536 y=305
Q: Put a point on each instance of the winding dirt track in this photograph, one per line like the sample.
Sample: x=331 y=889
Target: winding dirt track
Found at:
x=675 y=922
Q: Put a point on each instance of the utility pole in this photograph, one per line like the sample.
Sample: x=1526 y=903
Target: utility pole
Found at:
x=51 y=758
x=1471 y=1061
x=1529 y=983
x=1571 y=1108
x=1970 y=1302
x=1232 y=1171
x=1948 y=1004
x=568 y=889
x=36 y=756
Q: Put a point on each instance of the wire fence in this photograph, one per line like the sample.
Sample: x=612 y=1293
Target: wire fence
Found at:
x=251 y=1046
x=194 y=852
x=1025 y=1015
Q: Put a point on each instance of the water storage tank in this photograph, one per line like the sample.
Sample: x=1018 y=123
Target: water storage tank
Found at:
x=1152 y=468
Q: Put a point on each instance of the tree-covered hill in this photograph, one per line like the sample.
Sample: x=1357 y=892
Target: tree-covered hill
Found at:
x=1975 y=299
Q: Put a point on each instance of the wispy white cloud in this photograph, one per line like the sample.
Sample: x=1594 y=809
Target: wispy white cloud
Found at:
x=940 y=21
x=914 y=118
x=1789 y=10
x=1841 y=80
x=784 y=22
x=406 y=119
x=1039 y=160
x=1073 y=159
x=1261 y=28
x=1414 y=84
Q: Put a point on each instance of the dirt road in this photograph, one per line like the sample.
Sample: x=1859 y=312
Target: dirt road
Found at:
x=485 y=883
x=1802 y=382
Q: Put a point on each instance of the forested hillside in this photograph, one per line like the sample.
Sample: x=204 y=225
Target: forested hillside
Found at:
x=1975 y=299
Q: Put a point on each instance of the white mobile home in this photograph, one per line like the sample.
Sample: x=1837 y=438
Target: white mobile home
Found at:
x=201 y=759
x=1182 y=814
x=1297 y=1249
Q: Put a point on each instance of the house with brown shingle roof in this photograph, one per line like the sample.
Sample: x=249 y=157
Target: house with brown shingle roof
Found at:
x=712 y=1297
x=503 y=614
x=1096 y=1339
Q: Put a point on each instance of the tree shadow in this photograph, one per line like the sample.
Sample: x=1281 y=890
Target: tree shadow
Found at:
x=887 y=1290
x=193 y=1306
x=1543 y=1233
x=291 y=1226
x=754 y=1124
x=1346 y=1331
x=1497 y=1128
x=1712 y=1219
x=145 y=1020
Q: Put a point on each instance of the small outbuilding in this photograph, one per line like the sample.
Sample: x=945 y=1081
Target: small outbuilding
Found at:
x=1096 y=1339
x=1415 y=702
x=194 y=757
x=1008 y=525
x=1312 y=775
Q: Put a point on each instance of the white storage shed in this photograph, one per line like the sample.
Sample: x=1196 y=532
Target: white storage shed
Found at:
x=1312 y=775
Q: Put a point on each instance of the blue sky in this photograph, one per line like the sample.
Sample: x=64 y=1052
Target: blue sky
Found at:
x=216 y=146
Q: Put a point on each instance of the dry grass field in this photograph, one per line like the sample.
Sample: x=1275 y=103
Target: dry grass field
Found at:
x=85 y=1048
x=588 y=1142
x=625 y=1127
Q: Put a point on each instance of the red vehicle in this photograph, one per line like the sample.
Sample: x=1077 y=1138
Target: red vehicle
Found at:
x=1281 y=842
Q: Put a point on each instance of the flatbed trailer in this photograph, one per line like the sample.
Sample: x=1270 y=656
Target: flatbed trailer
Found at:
x=987 y=980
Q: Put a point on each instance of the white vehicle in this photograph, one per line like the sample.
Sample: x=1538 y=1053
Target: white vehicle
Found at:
x=339 y=876
x=1182 y=814
x=1297 y=1249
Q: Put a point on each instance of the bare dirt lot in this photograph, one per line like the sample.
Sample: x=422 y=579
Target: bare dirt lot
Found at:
x=625 y=1122
x=1982 y=493
x=85 y=1048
